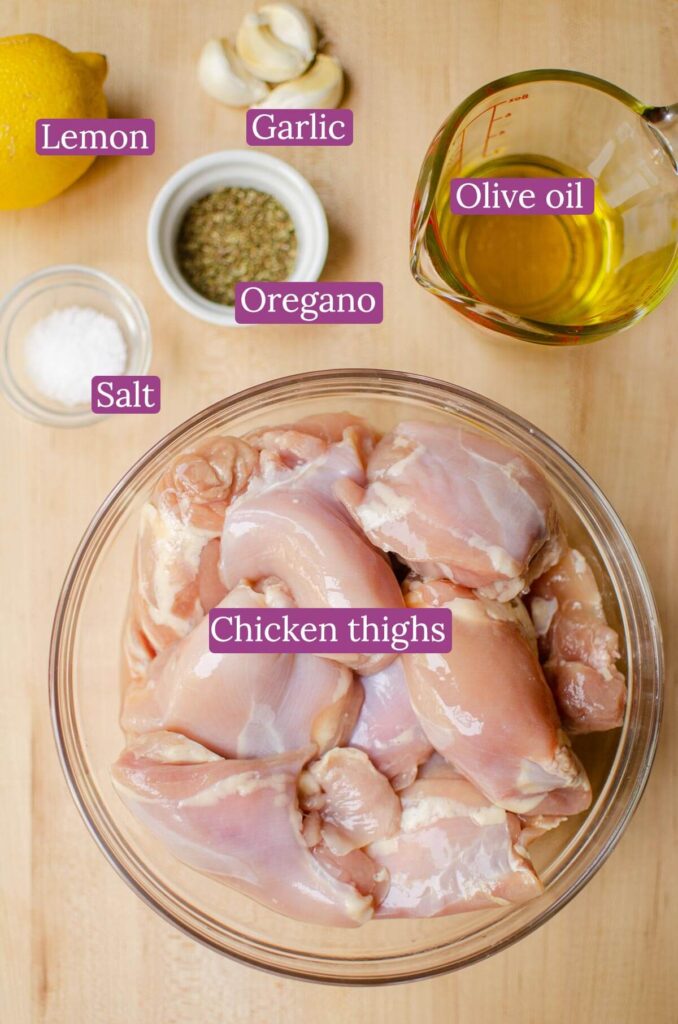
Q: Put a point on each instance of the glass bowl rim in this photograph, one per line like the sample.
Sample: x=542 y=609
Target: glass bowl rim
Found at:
x=352 y=377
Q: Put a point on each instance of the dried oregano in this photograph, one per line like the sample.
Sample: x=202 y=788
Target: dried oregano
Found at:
x=236 y=234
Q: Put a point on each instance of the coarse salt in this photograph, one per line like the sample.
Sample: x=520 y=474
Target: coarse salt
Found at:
x=68 y=347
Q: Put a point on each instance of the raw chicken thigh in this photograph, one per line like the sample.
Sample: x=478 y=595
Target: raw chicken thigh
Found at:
x=388 y=729
x=292 y=526
x=486 y=706
x=335 y=789
x=579 y=647
x=454 y=503
x=238 y=820
x=297 y=443
x=304 y=539
x=245 y=705
x=356 y=802
x=455 y=851
x=177 y=550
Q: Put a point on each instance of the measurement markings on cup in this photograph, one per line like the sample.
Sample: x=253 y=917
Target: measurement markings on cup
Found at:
x=458 y=156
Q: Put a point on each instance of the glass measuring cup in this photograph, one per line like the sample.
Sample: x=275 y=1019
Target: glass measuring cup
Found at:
x=558 y=120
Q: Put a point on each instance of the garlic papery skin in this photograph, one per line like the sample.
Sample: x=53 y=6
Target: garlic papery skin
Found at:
x=222 y=75
x=321 y=87
x=291 y=26
x=266 y=56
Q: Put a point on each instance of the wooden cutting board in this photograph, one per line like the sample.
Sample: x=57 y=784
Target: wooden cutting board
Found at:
x=76 y=946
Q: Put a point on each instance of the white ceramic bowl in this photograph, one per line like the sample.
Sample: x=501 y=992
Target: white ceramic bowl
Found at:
x=238 y=168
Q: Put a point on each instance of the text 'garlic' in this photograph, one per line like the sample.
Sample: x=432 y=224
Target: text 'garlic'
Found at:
x=223 y=75
x=321 y=87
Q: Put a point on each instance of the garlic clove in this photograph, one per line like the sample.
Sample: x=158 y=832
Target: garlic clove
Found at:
x=266 y=56
x=321 y=86
x=223 y=76
x=291 y=26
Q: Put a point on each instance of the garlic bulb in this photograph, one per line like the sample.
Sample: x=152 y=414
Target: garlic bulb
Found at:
x=223 y=75
x=265 y=55
x=291 y=26
x=321 y=86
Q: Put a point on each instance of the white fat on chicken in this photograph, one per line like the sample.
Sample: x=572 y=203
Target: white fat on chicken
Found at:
x=294 y=445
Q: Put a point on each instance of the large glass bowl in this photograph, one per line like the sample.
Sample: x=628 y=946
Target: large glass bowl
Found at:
x=84 y=680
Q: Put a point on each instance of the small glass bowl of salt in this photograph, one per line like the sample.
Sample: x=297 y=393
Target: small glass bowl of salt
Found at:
x=59 y=328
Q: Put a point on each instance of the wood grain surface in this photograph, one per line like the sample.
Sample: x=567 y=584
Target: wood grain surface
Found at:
x=76 y=945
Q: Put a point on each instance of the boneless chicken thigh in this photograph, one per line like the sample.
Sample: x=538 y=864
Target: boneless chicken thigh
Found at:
x=249 y=704
x=487 y=707
x=298 y=443
x=304 y=539
x=388 y=729
x=454 y=503
x=356 y=802
x=176 y=578
x=294 y=528
x=455 y=851
x=178 y=546
x=579 y=647
x=238 y=820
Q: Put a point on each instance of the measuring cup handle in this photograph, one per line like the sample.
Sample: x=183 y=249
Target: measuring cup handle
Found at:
x=664 y=124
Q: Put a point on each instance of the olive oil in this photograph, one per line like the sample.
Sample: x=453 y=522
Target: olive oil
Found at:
x=553 y=268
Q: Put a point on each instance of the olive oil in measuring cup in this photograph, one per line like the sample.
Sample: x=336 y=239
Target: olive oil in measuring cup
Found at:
x=548 y=267
x=556 y=278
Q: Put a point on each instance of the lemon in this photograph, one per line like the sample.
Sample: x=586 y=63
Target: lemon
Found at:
x=41 y=78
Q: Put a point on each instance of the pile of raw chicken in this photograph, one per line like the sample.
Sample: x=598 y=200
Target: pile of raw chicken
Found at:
x=335 y=790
